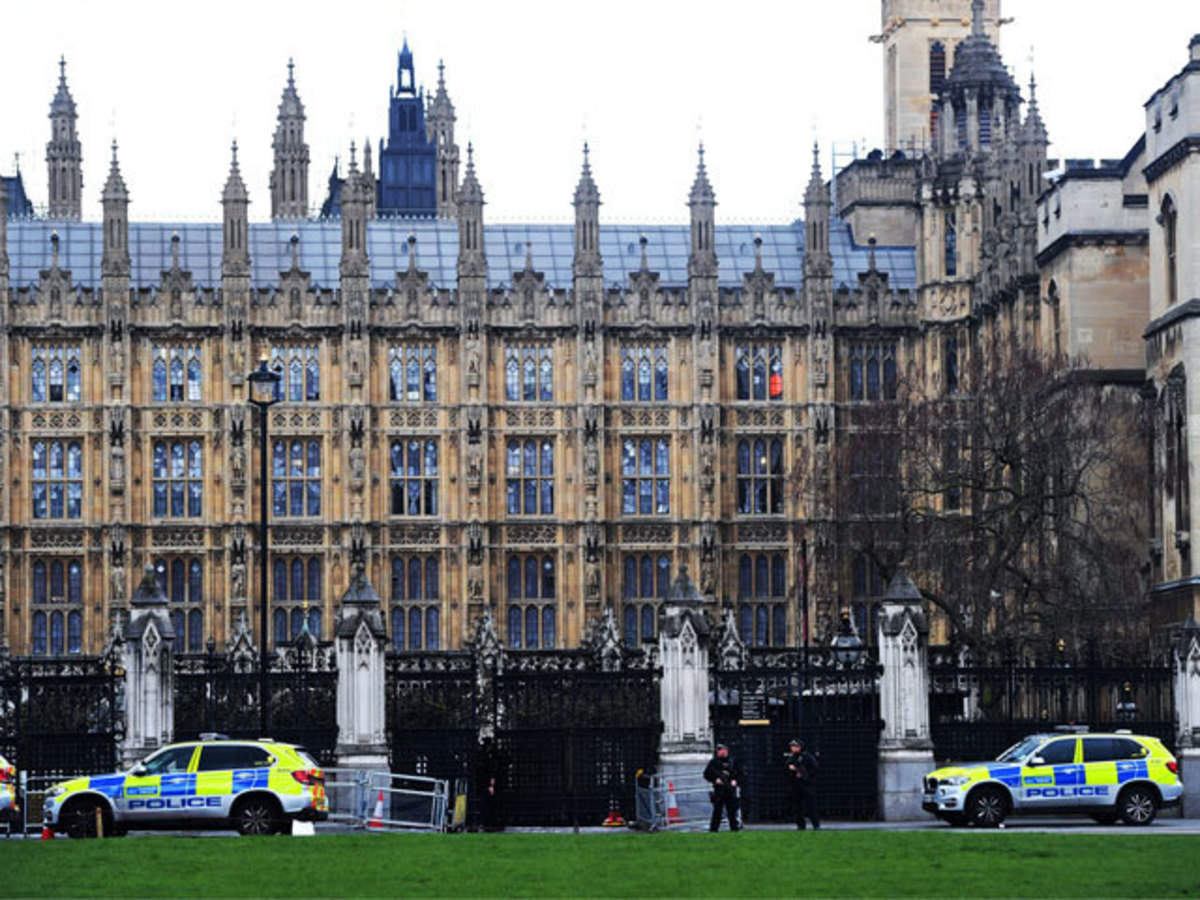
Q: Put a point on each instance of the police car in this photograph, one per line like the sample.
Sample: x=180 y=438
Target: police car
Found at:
x=1106 y=776
x=257 y=787
x=8 y=792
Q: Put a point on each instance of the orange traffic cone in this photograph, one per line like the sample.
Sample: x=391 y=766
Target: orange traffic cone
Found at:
x=673 y=816
x=376 y=820
x=47 y=833
x=615 y=819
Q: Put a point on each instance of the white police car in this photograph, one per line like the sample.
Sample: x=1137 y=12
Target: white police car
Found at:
x=1106 y=776
x=257 y=787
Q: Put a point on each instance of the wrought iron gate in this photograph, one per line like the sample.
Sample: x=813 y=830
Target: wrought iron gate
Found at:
x=219 y=692
x=432 y=719
x=61 y=716
x=977 y=710
x=573 y=738
x=833 y=706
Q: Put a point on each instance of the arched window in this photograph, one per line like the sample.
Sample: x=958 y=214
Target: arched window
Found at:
x=39 y=634
x=1169 y=219
x=57 y=480
x=531 y=601
x=414 y=477
x=195 y=631
x=280 y=619
x=530 y=477
x=762 y=599
x=951 y=365
x=73 y=383
x=760 y=476
x=56 y=634
x=38 y=375
x=985 y=125
x=645 y=477
x=178 y=482
x=630 y=629
x=74 y=632
x=39 y=583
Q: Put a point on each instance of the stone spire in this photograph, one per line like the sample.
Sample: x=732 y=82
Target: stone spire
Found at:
x=235 y=202
x=289 y=177
x=3 y=237
x=977 y=21
x=368 y=175
x=115 y=202
x=64 y=154
x=355 y=203
x=817 y=206
x=587 y=221
x=470 y=219
x=439 y=127
x=1035 y=128
x=702 y=203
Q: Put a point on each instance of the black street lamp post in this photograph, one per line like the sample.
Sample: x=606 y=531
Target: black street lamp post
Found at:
x=263 y=386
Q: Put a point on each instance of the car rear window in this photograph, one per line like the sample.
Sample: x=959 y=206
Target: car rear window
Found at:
x=1098 y=749
x=1127 y=748
x=233 y=756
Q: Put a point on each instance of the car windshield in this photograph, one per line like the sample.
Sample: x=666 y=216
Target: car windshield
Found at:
x=1018 y=752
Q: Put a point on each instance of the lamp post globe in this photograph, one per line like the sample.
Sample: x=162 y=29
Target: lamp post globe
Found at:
x=264 y=385
x=847 y=646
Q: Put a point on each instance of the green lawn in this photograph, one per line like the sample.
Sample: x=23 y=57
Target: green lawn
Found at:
x=758 y=864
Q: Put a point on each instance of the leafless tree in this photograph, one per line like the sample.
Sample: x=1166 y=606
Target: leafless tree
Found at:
x=1017 y=504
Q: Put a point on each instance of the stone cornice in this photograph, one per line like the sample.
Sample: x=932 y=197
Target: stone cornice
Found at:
x=1071 y=239
x=1171 y=158
x=1188 y=310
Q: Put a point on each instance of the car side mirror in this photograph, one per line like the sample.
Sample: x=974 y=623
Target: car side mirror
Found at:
x=1036 y=761
x=140 y=770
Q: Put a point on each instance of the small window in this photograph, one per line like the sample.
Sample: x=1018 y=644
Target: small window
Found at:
x=1058 y=752
x=215 y=757
x=1127 y=748
x=1097 y=749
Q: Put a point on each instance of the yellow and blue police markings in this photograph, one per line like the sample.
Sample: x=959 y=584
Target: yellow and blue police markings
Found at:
x=141 y=796
x=986 y=792
x=8 y=790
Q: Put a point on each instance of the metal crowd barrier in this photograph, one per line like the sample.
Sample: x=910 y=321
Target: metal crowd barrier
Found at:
x=385 y=801
x=672 y=801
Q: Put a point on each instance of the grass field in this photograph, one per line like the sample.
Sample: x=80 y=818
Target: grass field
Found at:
x=750 y=864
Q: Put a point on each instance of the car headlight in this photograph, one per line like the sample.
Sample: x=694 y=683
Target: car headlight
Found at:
x=954 y=781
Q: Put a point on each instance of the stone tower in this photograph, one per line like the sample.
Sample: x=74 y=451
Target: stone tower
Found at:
x=439 y=126
x=235 y=203
x=64 y=156
x=289 y=178
x=919 y=38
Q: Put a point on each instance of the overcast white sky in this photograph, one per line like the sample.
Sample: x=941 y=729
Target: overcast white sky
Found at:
x=641 y=79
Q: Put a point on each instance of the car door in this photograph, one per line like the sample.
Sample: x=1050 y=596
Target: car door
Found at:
x=1100 y=767
x=153 y=787
x=225 y=770
x=1049 y=773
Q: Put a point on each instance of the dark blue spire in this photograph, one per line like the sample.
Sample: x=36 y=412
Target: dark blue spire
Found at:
x=404 y=67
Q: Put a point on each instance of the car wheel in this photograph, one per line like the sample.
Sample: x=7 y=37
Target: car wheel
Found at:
x=1137 y=805
x=987 y=807
x=257 y=816
x=79 y=818
x=1108 y=818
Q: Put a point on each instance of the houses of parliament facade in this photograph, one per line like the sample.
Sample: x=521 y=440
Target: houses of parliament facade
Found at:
x=541 y=420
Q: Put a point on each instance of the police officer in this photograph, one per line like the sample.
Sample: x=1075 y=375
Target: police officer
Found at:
x=802 y=773
x=725 y=774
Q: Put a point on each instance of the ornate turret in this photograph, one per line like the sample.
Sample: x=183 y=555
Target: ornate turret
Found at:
x=64 y=154
x=470 y=220
x=289 y=177
x=236 y=203
x=115 y=202
x=355 y=203
x=587 y=222
x=979 y=103
x=817 y=207
x=702 y=203
x=439 y=127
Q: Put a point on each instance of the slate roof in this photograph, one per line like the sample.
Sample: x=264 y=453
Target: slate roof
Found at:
x=437 y=252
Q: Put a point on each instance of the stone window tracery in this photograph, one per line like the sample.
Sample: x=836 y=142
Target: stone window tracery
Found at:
x=645 y=477
x=416 y=603
x=57 y=482
x=55 y=375
x=178 y=479
x=414 y=477
x=531 y=591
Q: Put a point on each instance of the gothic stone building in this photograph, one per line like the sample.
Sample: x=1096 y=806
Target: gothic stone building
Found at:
x=546 y=420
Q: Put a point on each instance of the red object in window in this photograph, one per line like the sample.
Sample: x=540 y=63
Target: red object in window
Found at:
x=776 y=385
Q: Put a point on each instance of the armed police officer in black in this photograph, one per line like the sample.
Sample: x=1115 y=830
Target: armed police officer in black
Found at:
x=725 y=775
x=802 y=773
